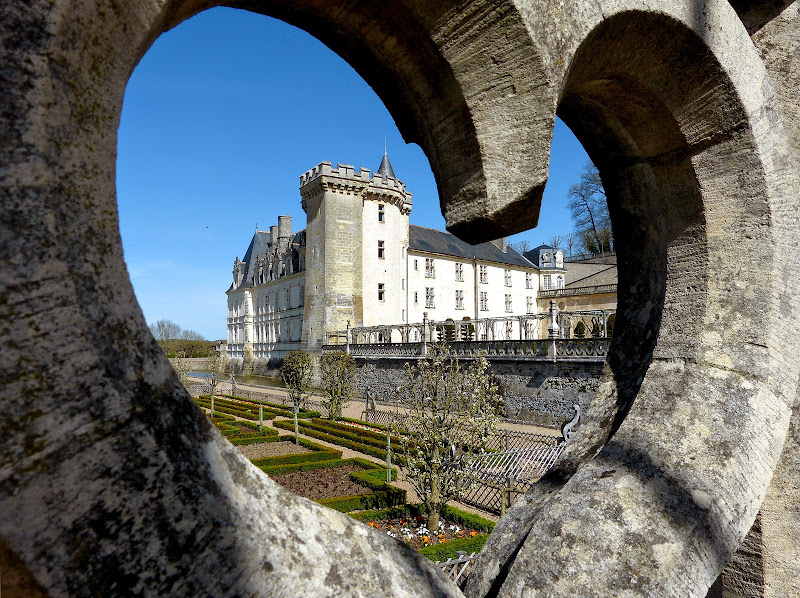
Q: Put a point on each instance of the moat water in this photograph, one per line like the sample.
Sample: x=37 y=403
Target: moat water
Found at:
x=251 y=380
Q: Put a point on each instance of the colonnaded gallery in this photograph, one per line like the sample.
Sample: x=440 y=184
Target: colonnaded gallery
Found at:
x=360 y=263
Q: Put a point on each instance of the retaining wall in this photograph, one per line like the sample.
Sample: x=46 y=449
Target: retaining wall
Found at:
x=538 y=392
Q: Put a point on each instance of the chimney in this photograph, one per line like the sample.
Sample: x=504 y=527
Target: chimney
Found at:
x=284 y=229
x=500 y=244
x=273 y=235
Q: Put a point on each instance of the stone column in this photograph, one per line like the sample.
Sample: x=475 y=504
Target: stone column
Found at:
x=424 y=346
x=552 y=330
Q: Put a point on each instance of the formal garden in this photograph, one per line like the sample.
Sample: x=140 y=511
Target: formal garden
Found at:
x=283 y=440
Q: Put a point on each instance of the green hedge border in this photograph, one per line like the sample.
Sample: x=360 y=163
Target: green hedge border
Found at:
x=437 y=552
x=279 y=408
x=448 y=550
x=367 y=449
x=414 y=510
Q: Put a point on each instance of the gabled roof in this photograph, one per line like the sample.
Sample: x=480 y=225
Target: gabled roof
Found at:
x=435 y=241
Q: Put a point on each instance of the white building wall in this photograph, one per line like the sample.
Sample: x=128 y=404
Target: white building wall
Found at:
x=445 y=286
x=278 y=316
x=390 y=270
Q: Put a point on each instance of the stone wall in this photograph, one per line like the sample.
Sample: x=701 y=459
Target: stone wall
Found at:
x=539 y=392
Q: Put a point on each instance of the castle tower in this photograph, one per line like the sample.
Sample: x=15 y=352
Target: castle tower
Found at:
x=348 y=212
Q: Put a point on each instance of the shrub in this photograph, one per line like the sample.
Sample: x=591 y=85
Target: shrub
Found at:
x=296 y=371
x=451 y=413
x=338 y=371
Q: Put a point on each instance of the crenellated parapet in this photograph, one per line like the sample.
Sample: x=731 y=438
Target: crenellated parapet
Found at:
x=345 y=179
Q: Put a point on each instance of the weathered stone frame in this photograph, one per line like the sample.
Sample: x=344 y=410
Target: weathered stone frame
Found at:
x=116 y=482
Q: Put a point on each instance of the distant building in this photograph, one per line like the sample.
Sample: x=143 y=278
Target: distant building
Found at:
x=359 y=261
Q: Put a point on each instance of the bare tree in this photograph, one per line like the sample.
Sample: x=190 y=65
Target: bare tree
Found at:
x=215 y=366
x=570 y=241
x=554 y=242
x=191 y=335
x=587 y=202
x=451 y=413
x=521 y=246
x=181 y=366
x=164 y=330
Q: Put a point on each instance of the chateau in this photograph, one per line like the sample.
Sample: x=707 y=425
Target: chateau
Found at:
x=360 y=262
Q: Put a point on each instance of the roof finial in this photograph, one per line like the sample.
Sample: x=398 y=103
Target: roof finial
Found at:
x=384 y=144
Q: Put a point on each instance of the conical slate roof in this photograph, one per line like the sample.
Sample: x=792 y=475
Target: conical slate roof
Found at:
x=385 y=169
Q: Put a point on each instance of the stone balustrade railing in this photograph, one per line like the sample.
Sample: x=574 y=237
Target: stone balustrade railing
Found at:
x=591 y=349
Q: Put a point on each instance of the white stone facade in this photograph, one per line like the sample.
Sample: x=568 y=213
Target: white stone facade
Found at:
x=360 y=262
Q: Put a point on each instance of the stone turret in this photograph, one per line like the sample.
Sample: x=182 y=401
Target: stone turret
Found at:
x=346 y=209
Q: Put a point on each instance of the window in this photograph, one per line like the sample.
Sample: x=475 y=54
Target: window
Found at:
x=429 y=297
x=559 y=282
x=415 y=265
x=380 y=291
x=380 y=250
x=484 y=301
x=430 y=272
x=459 y=272
x=287 y=299
x=528 y=280
x=546 y=282
x=529 y=305
x=415 y=298
x=459 y=299
x=381 y=212
x=484 y=275
x=507 y=277
x=508 y=303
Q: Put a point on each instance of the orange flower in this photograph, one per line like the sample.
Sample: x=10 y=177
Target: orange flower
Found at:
x=377 y=526
x=371 y=524
x=473 y=534
x=426 y=539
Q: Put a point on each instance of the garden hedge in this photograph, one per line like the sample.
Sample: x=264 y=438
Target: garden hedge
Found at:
x=334 y=438
x=414 y=510
x=277 y=408
x=448 y=550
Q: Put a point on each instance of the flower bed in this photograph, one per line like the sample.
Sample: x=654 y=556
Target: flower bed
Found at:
x=460 y=530
x=317 y=484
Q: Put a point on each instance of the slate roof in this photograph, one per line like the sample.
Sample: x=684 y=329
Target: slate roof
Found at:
x=436 y=241
x=385 y=169
x=258 y=246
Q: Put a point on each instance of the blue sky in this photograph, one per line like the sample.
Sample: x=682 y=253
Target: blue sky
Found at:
x=220 y=118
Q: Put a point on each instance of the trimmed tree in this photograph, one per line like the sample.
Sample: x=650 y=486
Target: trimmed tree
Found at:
x=338 y=371
x=216 y=364
x=451 y=411
x=297 y=370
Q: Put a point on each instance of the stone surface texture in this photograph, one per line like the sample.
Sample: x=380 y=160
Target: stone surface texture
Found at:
x=113 y=483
